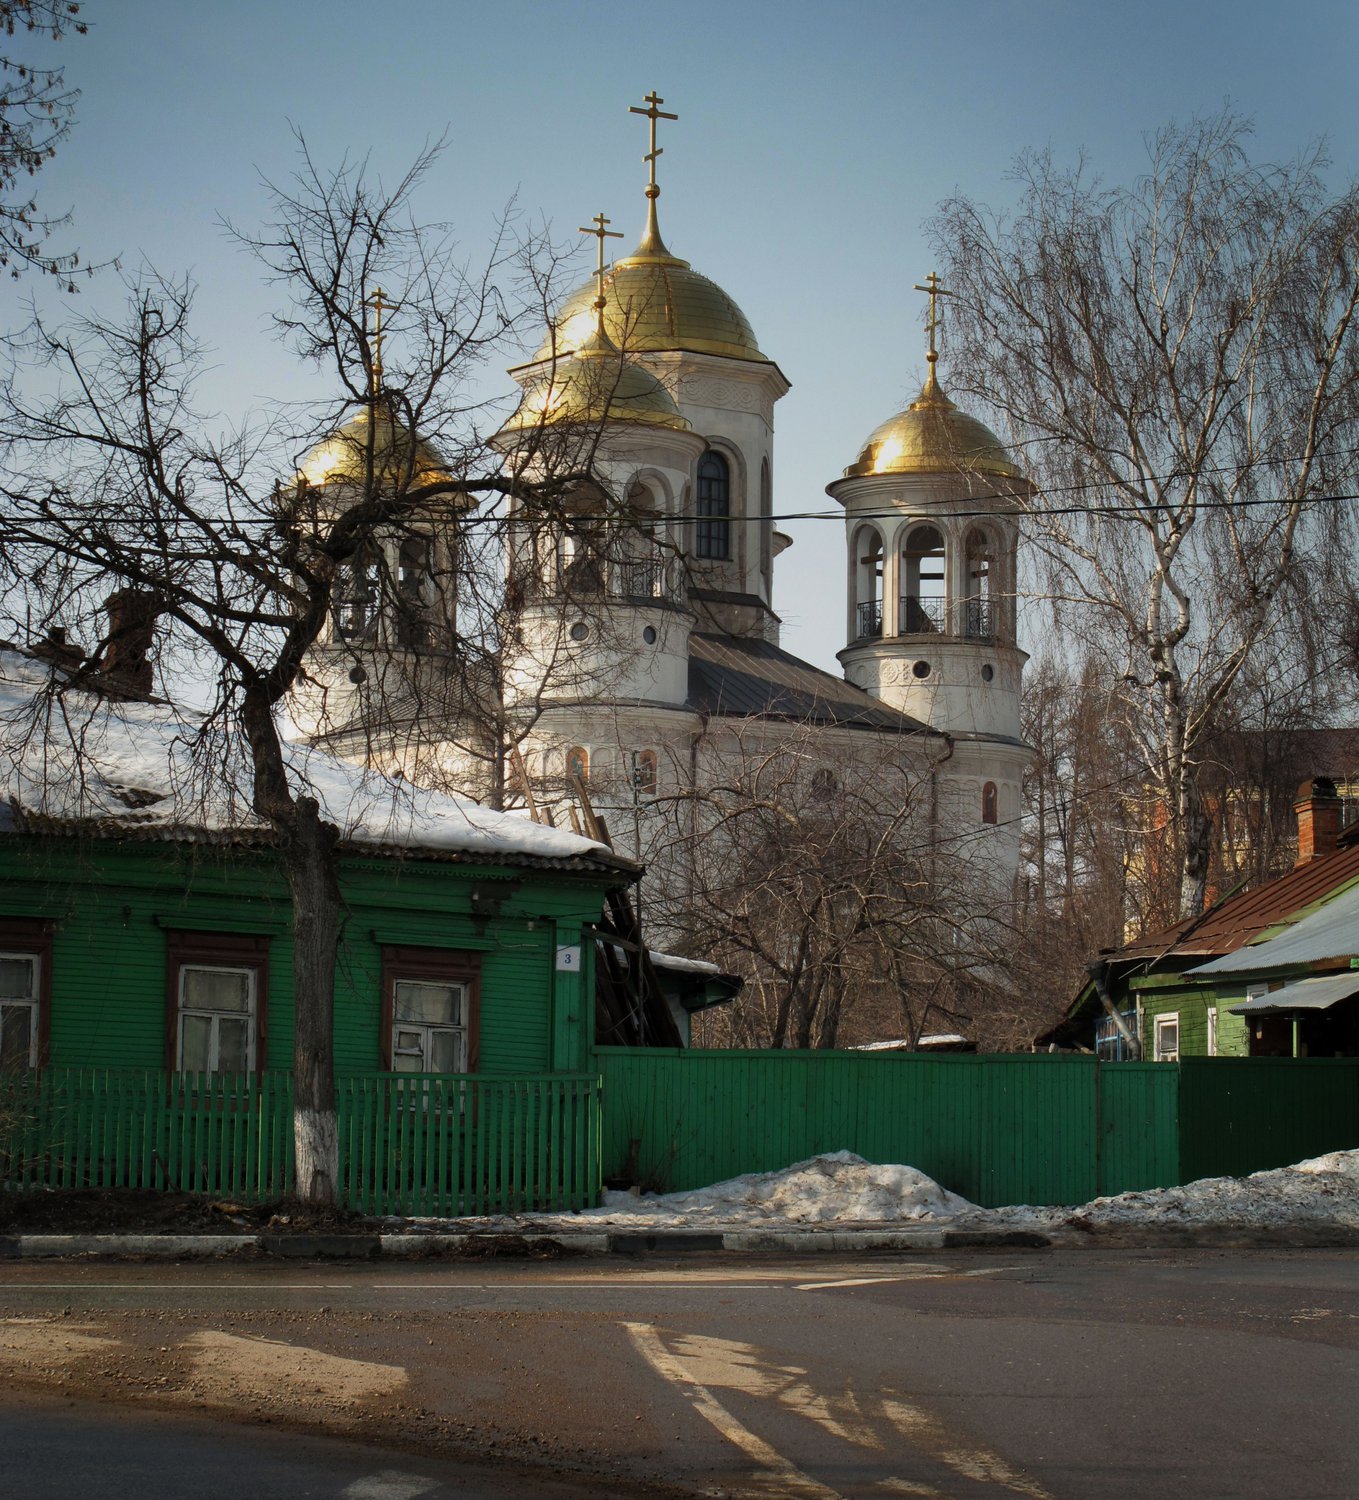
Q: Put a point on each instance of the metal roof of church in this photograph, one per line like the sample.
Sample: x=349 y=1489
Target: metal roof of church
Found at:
x=735 y=676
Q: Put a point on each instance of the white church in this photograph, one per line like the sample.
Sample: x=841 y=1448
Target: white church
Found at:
x=645 y=651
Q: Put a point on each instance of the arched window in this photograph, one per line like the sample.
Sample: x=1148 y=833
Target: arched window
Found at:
x=641 y=564
x=979 y=610
x=712 y=537
x=356 y=598
x=578 y=763
x=989 y=802
x=923 y=592
x=644 y=773
x=582 y=560
x=823 y=784
x=868 y=582
x=413 y=592
x=766 y=521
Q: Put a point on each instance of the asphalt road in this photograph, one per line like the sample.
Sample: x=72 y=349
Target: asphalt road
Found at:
x=1063 y=1374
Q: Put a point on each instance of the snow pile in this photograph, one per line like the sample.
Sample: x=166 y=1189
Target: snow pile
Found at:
x=838 y=1188
x=1321 y=1192
x=76 y=756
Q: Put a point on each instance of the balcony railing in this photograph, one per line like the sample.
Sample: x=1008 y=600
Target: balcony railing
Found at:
x=979 y=619
x=922 y=616
x=870 y=619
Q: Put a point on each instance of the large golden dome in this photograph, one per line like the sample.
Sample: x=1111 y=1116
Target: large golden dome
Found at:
x=399 y=458
x=933 y=437
x=656 y=301
x=595 y=384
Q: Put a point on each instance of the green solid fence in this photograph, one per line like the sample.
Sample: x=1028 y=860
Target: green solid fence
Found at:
x=409 y=1143
x=998 y=1130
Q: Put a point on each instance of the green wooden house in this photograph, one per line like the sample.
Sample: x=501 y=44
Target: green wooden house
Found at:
x=145 y=921
x=1206 y=986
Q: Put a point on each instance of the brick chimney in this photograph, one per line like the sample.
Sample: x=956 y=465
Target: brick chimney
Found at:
x=1318 y=808
x=125 y=664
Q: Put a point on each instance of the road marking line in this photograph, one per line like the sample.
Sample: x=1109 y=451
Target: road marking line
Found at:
x=975 y=1463
x=390 y=1484
x=821 y=1286
x=790 y=1479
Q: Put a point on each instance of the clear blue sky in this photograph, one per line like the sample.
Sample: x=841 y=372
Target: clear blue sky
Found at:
x=814 y=140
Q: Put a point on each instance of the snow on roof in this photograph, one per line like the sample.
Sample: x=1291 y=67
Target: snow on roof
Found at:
x=901 y=1044
x=1329 y=934
x=73 y=756
x=678 y=965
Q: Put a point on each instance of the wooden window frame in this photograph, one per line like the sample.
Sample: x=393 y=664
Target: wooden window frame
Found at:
x=33 y=936
x=450 y=965
x=1156 y=1020
x=713 y=509
x=225 y=950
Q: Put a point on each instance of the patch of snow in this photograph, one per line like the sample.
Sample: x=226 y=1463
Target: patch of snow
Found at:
x=75 y=755
x=1321 y=1191
x=842 y=1188
x=678 y=965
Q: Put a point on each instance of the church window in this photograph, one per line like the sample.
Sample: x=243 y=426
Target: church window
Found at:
x=868 y=553
x=921 y=669
x=989 y=802
x=644 y=772
x=823 y=784
x=979 y=621
x=766 y=521
x=582 y=561
x=713 y=530
x=412 y=592
x=578 y=763
x=580 y=631
x=356 y=598
x=923 y=607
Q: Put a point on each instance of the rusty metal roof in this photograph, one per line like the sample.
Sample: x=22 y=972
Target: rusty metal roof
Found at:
x=1238 y=919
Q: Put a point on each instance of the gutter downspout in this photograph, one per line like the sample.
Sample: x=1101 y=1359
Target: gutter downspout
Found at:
x=1099 y=974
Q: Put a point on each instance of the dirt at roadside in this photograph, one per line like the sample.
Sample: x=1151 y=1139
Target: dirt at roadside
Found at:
x=147 y=1211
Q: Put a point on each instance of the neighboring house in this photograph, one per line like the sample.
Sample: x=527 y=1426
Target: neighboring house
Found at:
x=1264 y=972
x=145 y=921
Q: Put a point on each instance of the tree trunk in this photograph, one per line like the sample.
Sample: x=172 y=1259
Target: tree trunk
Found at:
x=1196 y=838
x=317 y=918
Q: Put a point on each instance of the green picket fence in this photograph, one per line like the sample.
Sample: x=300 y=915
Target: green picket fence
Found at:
x=409 y=1143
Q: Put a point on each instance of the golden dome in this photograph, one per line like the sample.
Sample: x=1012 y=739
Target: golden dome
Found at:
x=343 y=457
x=933 y=437
x=656 y=301
x=595 y=384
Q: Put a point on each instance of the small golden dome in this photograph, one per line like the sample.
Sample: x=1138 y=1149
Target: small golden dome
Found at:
x=396 y=453
x=656 y=301
x=933 y=437
x=596 y=384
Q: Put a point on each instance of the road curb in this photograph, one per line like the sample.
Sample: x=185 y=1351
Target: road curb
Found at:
x=488 y=1245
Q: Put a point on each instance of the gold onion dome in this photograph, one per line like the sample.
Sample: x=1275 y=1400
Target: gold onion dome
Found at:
x=656 y=301
x=933 y=437
x=593 y=384
x=397 y=455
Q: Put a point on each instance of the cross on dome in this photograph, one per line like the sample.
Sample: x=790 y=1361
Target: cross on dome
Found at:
x=379 y=304
x=652 y=243
x=932 y=322
x=601 y=233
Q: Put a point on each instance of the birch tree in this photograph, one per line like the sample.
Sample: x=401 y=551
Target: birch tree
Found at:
x=1176 y=362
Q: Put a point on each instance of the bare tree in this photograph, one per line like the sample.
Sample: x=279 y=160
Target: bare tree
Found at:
x=36 y=113
x=115 y=481
x=813 y=869
x=1177 y=361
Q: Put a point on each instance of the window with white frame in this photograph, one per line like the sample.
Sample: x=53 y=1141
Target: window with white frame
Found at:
x=1166 y=1036
x=217 y=983
x=429 y=1027
x=430 y=1004
x=1212 y=1031
x=217 y=1018
x=20 y=977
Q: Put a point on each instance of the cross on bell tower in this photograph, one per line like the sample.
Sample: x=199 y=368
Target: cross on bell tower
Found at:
x=601 y=232
x=651 y=238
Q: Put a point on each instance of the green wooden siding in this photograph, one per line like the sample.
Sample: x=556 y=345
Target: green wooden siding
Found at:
x=113 y=904
x=1191 y=1004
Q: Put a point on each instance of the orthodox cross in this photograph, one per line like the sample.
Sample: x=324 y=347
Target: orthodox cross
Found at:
x=601 y=234
x=379 y=304
x=932 y=322
x=653 y=112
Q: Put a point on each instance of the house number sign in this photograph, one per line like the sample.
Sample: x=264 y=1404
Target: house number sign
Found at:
x=568 y=959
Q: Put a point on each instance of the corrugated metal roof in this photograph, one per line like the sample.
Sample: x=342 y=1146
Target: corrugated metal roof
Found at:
x=735 y=676
x=1325 y=936
x=1238 y=919
x=1317 y=993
